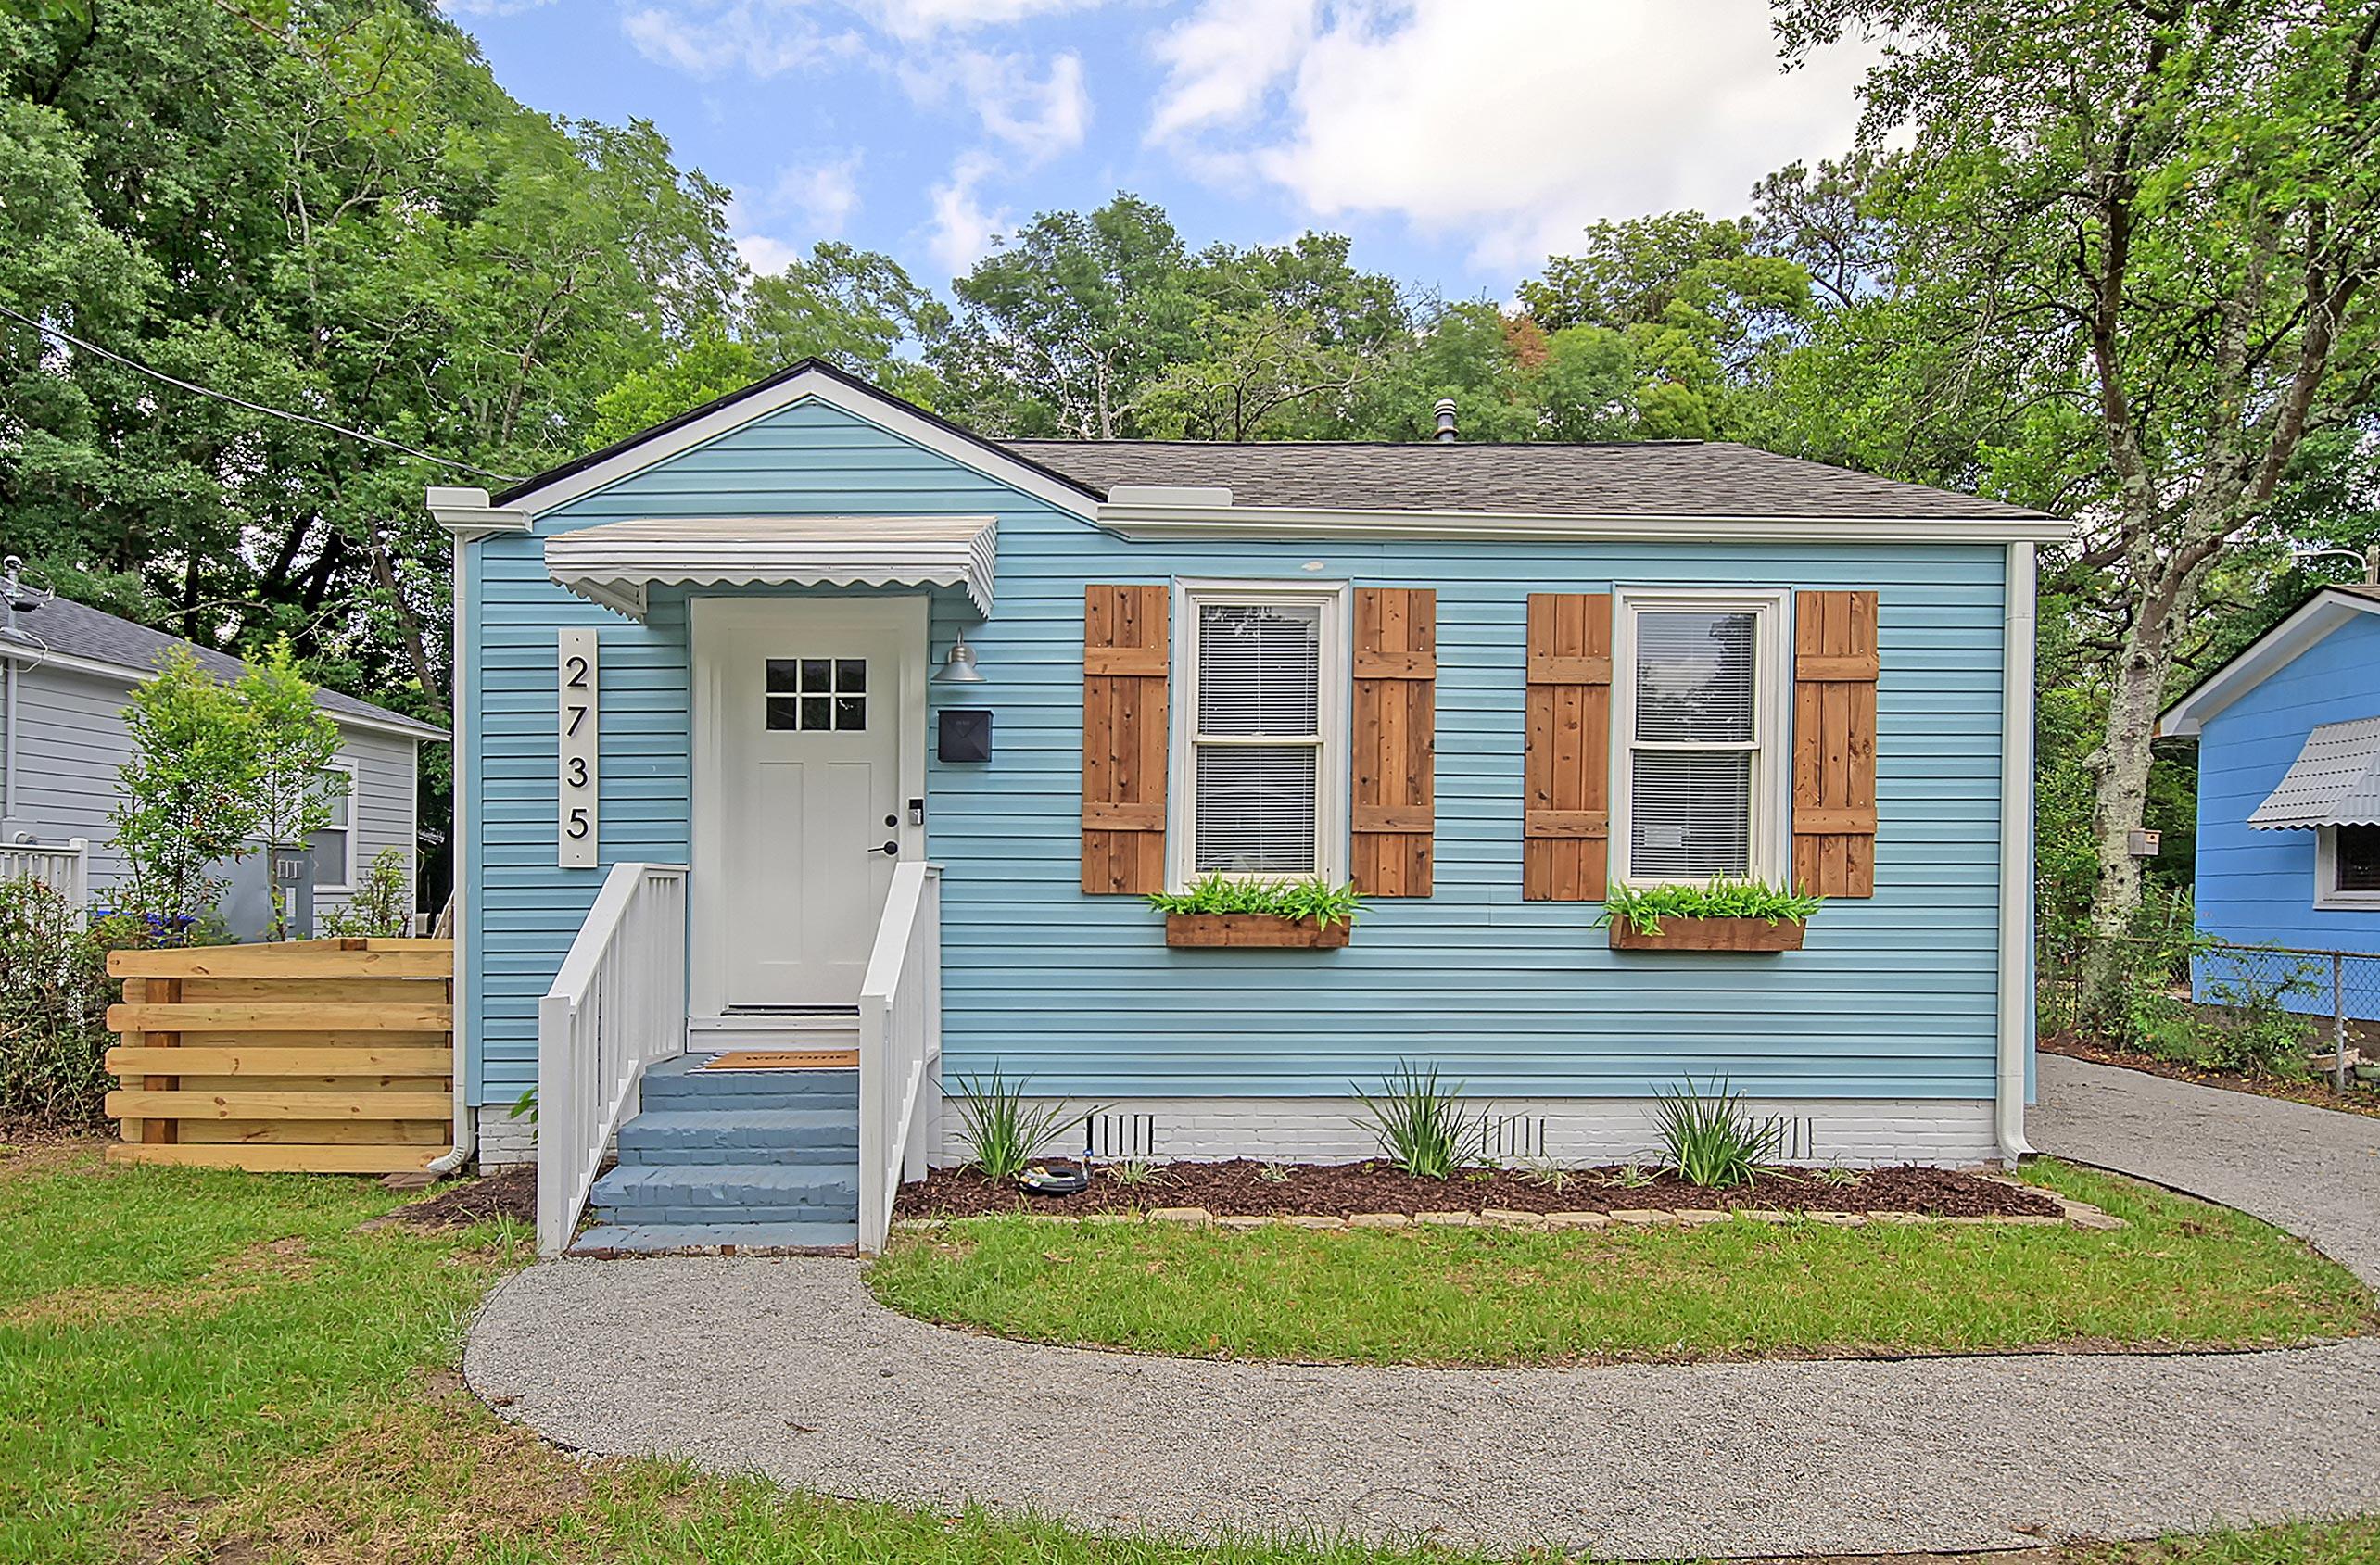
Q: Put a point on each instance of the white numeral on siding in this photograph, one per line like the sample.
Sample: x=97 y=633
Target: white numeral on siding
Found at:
x=578 y=724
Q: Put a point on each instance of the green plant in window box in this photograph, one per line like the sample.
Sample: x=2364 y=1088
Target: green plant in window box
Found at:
x=1222 y=910
x=1642 y=908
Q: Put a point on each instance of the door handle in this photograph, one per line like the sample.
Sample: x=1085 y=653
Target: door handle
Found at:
x=891 y=849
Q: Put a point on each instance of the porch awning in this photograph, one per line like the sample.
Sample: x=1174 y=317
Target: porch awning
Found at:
x=616 y=564
x=2334 y=780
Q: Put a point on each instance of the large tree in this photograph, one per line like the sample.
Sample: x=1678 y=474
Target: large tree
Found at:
x=2153 y=227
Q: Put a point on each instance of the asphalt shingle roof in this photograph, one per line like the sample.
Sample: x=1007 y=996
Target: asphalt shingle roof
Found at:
x=1641 y=479
x=77 y=630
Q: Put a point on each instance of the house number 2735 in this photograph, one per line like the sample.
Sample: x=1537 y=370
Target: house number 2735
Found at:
x=579 y=721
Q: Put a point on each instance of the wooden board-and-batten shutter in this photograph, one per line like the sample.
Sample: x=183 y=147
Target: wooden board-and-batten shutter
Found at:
x=1126 y=652
x=1394 y=719
x=1566 y=782
x=1835 y=670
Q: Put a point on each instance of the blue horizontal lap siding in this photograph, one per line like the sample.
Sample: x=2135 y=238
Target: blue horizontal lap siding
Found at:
x=1894 y=997
x=2258 y=887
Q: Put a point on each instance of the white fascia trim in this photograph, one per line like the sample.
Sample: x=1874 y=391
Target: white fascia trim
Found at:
x=2016 y=995
x=1151 y=523
x=881 y=408
x=2266 y=656
x=467 y=514
x=34 y=658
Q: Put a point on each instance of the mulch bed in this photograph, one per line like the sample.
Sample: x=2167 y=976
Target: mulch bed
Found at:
x=2319 y=1093
x=1240 y=1188
x=513 y=1193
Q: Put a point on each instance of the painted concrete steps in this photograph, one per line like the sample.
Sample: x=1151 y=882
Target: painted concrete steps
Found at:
x=680 y=1083
x=740 y=1135
x=663 y=1238
x=727 y=1189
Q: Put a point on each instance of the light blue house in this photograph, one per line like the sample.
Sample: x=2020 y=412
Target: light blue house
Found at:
x=2288 y=735
x=725 y=791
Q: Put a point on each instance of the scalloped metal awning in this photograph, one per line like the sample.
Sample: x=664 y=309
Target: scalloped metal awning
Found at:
x=618 y=563
x=2334 y=781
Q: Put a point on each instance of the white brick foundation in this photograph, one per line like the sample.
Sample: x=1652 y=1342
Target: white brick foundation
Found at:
x=505 y=1142
x=1949 y=1133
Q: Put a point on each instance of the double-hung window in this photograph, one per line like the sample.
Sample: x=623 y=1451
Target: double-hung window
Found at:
x=1700 y=736
x=1257 y=779
x=2347 y=867
x=334 y=844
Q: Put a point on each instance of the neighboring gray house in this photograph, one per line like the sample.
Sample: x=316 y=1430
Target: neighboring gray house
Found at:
x=67 y=671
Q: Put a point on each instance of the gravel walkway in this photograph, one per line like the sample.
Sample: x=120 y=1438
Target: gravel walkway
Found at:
x=2314 y=1171
x=788 y=1368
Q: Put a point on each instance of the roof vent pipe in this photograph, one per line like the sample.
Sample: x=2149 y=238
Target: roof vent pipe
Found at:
x=1446 y=419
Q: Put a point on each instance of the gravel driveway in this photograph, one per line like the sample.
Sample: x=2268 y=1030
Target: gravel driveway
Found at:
x=788 y=1368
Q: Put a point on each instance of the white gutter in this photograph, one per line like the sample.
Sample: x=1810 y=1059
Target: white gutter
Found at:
x=1134 y=519
x=2015 y=1019
x=466 y=1122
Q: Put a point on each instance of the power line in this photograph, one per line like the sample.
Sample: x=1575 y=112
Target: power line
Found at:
x=138 y=368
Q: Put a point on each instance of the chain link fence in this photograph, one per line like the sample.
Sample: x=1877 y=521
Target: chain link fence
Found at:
x=2260 y=1010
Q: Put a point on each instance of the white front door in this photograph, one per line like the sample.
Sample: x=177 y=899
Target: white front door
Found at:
x=799 y=810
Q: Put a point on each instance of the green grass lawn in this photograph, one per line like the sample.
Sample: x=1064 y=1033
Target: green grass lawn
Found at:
x=219 y=1367
x=2184 y=1273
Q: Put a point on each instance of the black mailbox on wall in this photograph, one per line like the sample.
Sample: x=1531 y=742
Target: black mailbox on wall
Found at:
x=965 y=734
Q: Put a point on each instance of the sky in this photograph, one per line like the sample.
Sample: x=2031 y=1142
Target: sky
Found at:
x=1457 y=142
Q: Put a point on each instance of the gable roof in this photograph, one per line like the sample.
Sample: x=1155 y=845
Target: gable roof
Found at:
x=2329 y=608
x=1645 y=478
x=76 y=634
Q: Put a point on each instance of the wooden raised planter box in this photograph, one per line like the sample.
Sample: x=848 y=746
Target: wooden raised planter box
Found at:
x=1252 y=930
x=1709 y=934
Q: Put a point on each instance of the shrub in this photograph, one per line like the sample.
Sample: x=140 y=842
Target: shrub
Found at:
x=1421 y=1126
x=382 y=907
x=1643 y=907
x=1709 y=1139
x=1318 y=900
x=1001 y=1131
x=54 y=997
x=2245 y=1025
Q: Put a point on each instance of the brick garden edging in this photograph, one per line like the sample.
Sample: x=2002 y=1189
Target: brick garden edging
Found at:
x=2078 y=1214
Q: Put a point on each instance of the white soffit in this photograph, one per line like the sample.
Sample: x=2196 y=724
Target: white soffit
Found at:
x=2267 y=655
x=2334 y=781
x=617 y=563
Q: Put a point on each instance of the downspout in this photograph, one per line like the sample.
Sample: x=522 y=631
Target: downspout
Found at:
x=2015 y=1019
x=466 y=1124
x=10 y=638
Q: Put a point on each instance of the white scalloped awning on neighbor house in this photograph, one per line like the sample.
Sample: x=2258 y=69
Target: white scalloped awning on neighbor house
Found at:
x=2334 y=780
x=616 y=564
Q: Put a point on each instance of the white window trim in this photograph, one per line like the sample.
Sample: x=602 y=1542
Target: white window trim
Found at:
x=346 y=870
x=2328 y=898
x=1333 y=780
x=1772 y=754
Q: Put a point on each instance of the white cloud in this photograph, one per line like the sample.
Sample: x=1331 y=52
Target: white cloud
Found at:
x=490 y=7
x=766 y=256
x=821 y=195
x=961 y=231
x=923 y=19
x=1221 y=60
x=1517 y=122
x=1040 y=115
x=764 y=37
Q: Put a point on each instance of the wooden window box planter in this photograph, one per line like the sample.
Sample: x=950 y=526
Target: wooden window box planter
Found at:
x=1252 y=930
x=1709 y=934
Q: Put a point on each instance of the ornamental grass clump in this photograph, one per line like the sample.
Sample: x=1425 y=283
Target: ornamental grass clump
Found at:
x=1643 y=907
x=1293 y=899
x=1421 y=1126
x=1709 y=1139
x=1001 y=1131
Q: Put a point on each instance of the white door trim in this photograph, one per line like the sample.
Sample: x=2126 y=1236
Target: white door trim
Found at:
x=715 y=618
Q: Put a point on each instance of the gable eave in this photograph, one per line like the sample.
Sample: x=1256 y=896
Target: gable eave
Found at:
x=812 y=379
x=2270 y=653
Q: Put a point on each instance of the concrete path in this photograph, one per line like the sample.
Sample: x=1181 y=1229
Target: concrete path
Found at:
x=2314 y=1171
x=788 y=1368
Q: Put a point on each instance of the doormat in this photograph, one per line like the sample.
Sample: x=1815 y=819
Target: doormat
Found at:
x=783 y=1059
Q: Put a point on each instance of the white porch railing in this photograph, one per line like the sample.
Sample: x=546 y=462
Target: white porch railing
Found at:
x=900 y=1046
x=617 y=1006
x=64 y=867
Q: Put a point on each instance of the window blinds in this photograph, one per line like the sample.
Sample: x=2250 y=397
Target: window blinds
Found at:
x=1258 y=738
x=1690 y=777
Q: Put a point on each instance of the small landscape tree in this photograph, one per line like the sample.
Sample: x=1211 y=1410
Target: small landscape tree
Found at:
x=188 y=800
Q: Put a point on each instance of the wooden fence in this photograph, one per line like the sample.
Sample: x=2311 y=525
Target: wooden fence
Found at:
x=318 y=1057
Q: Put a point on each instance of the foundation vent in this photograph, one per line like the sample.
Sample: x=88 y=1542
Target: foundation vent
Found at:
x=1119 y=1135
x=1797 y=1138
x=1515 y=1138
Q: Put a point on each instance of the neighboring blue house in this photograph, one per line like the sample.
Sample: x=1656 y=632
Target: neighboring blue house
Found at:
x=712 y=680
x=2289 y=737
